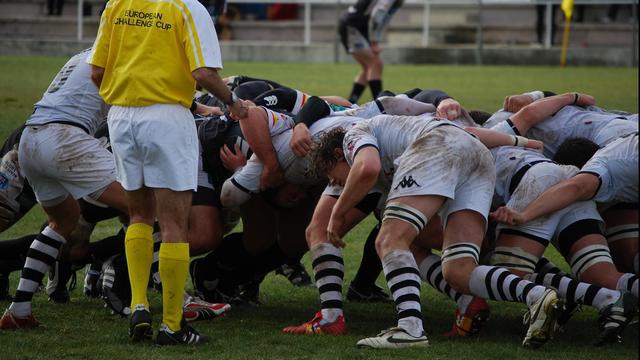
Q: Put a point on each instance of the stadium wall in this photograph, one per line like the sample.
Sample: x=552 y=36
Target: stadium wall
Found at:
x=326 y=53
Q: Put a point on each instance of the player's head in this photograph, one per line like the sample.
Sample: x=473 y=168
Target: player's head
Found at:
x=479 y=116
x=575 y=151
x=327 y=153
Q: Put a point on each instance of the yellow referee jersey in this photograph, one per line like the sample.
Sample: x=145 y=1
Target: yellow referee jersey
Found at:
x=149 y=48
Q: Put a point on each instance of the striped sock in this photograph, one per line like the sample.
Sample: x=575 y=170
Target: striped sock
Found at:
x=545 y=266
x=431 y=272
x=41 y=255
x=495 y=283
x=329 y=270
x=155 y=272
x=575 y=291
x=403 y=278
x=628 y=282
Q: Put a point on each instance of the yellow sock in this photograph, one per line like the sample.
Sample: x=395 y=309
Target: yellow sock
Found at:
x=174 y=267
x=138 y=244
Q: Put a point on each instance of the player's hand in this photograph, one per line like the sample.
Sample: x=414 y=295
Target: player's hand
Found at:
x=449 y=109
x=535 y=145
x=300 y=140
x=272 y=176
x=585 y=100
x=230 y=160
x=514 y=103
x=508 y=216
x=336 y=222
x=239 y=109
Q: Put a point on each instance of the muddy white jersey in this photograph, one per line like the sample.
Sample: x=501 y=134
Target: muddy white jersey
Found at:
x=278 y=122
x=508 y=160
x=591 y=123
x=295 y=168
x=496 y=118
x=573 y=121
x=391 y=136
x=616 y=165
x=72 y=98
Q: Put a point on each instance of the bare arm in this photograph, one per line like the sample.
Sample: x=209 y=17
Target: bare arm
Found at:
x=337 y=100
x=579 y=188
x=540 y=110
x=209 y=79
x=232 y=196
x=256 y=130
x=206 y=110
x=362 y=177
x=491 y=138
x=97 y=73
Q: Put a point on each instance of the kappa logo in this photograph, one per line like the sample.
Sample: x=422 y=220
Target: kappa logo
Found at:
x=407 y=182
x=271 y=100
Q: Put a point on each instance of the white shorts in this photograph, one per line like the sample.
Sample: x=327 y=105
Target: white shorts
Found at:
x=447 y=161
x=535 y=181
x=59 y=160
x=154 y=146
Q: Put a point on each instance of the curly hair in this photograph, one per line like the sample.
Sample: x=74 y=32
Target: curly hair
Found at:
x=479 y=116
x=322 y=156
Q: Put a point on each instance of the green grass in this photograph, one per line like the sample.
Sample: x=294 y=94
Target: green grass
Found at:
x=84 y=330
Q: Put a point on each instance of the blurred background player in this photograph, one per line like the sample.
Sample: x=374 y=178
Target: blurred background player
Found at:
x=360 y=31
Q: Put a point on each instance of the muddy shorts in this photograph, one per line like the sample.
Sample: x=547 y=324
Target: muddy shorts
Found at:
x=60 y=159
x=535 y=181
x=447 y=161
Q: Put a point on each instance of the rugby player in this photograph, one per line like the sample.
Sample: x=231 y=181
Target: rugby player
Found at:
x=387 y=151
x=361 y=29
x=63 y=162
x=523 y=174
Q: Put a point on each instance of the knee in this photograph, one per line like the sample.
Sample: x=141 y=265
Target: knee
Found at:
x=65 y=227
x=457 y=273
x=203 y=242
x=376 y=63
x=383 y=245
x=392 y=238
x=458 y=261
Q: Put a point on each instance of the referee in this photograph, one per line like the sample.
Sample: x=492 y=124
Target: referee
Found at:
x=147 y=58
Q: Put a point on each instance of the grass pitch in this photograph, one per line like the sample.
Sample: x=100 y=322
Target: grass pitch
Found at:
x=82 y=329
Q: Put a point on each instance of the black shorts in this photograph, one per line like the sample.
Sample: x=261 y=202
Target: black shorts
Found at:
x=94 y=213
x=347 y=25
x=205 y=196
